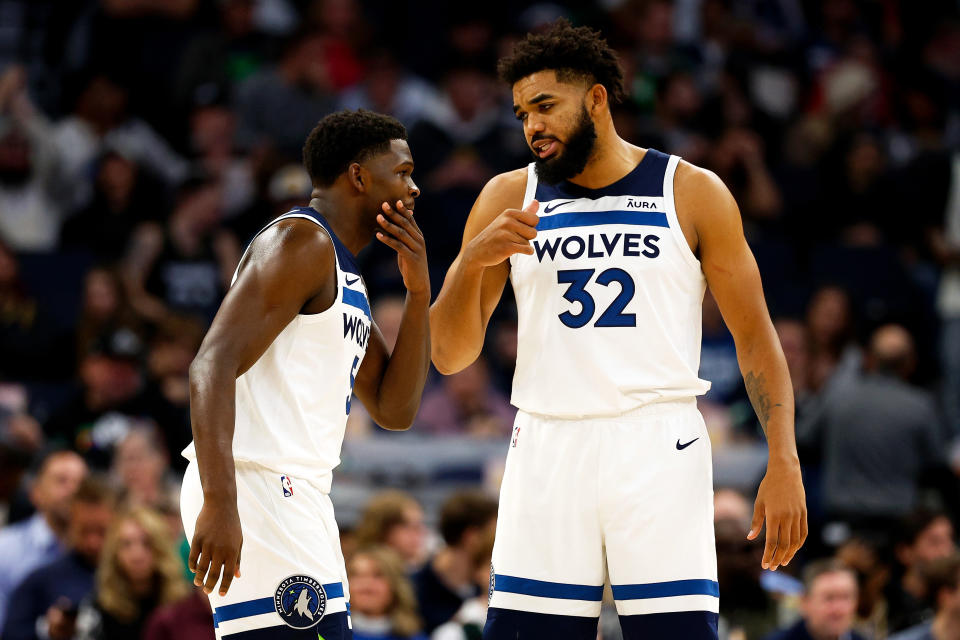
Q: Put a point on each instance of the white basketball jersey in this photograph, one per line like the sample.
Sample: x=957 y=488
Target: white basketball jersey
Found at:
x=292 y=404
x=609 y=304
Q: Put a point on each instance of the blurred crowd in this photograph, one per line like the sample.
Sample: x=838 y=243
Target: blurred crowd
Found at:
x=144 y=142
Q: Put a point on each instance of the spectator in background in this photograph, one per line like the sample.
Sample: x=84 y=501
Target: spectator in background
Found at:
x=124 y=195
x=468 y=622
x=222 y=58
x=31 y=207
x=140 y=464
x=382 y=602
x=28 y=341
x=831 y=332
x=26 y=545
x=446 y=581
x=213 y=128
x=925 y=536
x=828 y=606
x=108 y=400
x=942 y=578
x=105 y=308
x=394 y=519
x=467 y=403
x=878 y=434
x=277 y=104
x=44 y=606
x=139 y=572
x=862 y=553
x=100 y=122
x=387 y=87
x=187 y=619
x=188 y=265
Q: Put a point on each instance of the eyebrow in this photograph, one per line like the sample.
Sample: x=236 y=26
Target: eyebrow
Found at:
x=537 y=99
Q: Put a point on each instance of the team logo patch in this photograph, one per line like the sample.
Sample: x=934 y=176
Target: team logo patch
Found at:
x=300 y=601
x=287 y=486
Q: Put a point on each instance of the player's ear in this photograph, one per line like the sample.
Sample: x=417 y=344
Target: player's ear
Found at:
x=359 y=177
x=596 y=97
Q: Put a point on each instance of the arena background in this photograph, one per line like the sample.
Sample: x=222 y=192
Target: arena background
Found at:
x=143 y=142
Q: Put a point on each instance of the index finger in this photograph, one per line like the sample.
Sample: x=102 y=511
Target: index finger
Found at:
x=527 y=217
x=194 y=555
x=229 y=570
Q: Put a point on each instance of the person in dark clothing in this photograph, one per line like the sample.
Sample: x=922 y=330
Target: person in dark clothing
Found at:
x=446 y=581
x=828 y=607
x=139 y=571
x=45 y=604
x=925 y=537
x=187 y=619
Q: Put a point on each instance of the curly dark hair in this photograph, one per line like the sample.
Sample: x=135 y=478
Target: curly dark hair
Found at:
x=345 y=137
x=575 y=53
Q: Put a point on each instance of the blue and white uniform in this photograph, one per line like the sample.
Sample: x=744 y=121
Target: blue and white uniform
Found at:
x=291 y=413
x=609 y=466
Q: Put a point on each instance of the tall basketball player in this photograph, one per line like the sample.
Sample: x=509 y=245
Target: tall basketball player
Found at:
x=609 y=248
x=271 y=386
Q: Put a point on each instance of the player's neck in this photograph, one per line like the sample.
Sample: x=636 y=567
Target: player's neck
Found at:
x=613 y=158
x=343 y=219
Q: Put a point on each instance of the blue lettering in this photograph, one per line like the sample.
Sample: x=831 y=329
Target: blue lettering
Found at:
x=565 y=248
x=652 y=249
x=631 y=245
x=608 y=244
x=591 y=253
x=547 y=248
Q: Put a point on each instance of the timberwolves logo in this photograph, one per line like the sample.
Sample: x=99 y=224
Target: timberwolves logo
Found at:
x=300 y=601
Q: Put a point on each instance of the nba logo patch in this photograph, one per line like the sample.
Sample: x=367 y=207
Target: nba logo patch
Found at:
x=516 y=436
x=287 y=486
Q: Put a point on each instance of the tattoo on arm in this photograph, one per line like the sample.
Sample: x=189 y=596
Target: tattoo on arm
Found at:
x=757 y=391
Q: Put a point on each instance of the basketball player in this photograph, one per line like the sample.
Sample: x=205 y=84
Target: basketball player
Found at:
x=271 y=386
x=609 y=248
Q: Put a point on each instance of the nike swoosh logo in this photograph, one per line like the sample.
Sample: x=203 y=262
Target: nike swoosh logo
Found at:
x=681 y=447
x=349 y=281
x=550 y=207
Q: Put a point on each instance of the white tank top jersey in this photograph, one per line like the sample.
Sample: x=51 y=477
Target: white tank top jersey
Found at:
x=609 y=304
x=292 y=404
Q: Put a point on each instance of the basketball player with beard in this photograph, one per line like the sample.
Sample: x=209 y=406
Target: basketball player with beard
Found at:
x=609 y=248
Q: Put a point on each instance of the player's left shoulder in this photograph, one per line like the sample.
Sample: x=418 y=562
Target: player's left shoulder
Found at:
x=702 y=199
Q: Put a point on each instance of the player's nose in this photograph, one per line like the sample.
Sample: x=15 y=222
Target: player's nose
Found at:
x=414 y=190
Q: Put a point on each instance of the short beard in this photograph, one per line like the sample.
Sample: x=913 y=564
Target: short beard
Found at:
x=575 y=155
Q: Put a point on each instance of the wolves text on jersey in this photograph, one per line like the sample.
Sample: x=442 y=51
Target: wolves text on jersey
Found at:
x=598 y=245
x=356 y=329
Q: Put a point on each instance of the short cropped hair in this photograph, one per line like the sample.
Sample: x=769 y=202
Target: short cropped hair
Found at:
x=575 y=53
x=463 y=510
x=345 y=137
x=822 y=567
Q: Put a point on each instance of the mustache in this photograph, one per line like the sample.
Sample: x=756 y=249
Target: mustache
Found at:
x=538 y=137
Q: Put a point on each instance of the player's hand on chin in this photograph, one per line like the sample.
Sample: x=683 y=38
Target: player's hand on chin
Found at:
x=216 y=546
x=400 y=232
x=782 y=503
x=509 y=233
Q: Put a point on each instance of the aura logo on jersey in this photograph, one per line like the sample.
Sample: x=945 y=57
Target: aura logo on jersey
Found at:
x=300 y=601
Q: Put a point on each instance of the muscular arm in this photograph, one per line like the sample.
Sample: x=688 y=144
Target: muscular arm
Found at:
x=261 y=303
x=475 y=281
x=732 y=274
x=390 y=385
